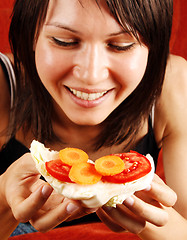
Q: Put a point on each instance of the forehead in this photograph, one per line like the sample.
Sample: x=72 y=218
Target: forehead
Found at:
x=70 y=8
x=83 y=14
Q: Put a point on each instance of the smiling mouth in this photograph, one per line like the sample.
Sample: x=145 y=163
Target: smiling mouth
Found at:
x=87 y=96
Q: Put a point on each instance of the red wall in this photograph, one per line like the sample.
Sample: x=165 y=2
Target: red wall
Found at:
x=179 y=35
x=5 y=12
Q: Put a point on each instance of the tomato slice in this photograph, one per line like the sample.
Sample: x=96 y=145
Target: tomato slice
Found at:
x=136 y=166
x=58 y=170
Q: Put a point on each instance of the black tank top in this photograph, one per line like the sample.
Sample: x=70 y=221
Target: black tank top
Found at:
x=14 y=149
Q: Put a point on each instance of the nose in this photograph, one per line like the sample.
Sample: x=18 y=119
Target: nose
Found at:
x=91 y=65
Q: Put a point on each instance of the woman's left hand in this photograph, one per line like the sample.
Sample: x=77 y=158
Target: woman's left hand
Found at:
x=147 y=205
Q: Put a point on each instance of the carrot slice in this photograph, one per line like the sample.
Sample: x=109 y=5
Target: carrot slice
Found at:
x=109 y=165
x=84 y=173
x=71 y=156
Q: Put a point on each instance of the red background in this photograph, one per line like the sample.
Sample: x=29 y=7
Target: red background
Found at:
x=178 y=39
x=98 y=230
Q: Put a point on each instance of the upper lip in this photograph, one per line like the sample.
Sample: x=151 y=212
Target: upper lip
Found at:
x=86 y=90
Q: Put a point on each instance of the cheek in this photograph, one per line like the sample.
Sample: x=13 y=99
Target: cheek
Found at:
x=44 y=64
x=132 y=68
x=49 y=64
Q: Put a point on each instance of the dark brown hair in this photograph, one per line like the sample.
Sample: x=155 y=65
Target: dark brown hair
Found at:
x=151 y=20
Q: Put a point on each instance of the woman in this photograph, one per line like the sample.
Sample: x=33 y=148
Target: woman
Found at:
x=74 y=82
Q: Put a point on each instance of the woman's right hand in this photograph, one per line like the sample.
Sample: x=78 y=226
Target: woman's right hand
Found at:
x=32 y=199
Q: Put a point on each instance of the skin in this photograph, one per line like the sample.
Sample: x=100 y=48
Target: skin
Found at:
x=94 y=66
x=90 y=65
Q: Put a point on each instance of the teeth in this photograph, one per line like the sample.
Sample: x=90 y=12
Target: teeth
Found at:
x=87 y=96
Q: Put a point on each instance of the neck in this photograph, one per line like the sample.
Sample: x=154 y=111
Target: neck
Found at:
x=73 y=135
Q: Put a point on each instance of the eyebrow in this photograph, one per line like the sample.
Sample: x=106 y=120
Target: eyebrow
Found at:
x=119 y=33
x=62 y=26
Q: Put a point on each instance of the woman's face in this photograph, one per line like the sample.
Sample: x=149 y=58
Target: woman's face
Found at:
x=86 y=61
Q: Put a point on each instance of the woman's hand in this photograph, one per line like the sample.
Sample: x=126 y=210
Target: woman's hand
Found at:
x=32 y=199
x=147 y=205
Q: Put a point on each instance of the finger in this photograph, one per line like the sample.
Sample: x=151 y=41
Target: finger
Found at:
x=109 y=222
x=26 y=162
x=124 y=218
x=160 y=192
x=81 y=213
x=153 y=214
x=23 y=209
x=46 y=221
x=53 y=201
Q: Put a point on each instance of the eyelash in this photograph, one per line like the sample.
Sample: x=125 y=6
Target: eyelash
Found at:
x=110 y=45
x=63 y=43
x=121 y=48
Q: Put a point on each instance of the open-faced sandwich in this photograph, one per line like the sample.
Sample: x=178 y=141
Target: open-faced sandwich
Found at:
x=109 y=180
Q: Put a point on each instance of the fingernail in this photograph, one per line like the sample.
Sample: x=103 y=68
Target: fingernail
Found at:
x=71 y=208
x=148 y=188
x=107 y=208
x=91 y=210
x=46 y=191
x=129 y=201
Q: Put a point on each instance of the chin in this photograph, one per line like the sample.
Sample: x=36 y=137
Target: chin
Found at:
x=88 y=121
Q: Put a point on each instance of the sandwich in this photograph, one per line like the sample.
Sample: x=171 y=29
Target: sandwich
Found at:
x=107 y=181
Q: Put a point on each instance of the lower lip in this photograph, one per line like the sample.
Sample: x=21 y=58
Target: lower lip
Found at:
x=88 y=103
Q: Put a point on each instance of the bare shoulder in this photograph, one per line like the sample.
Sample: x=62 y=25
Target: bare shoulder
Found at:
x=176 y=69
x=172 y=124
x=4 y=102
x=172 y=105
x=175 y=82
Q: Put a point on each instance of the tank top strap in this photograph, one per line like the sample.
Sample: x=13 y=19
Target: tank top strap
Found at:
x=152 y=115
x=10 y=75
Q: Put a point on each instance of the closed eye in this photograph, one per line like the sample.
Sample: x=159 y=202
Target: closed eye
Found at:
x=64 y=43
x=121 y=48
